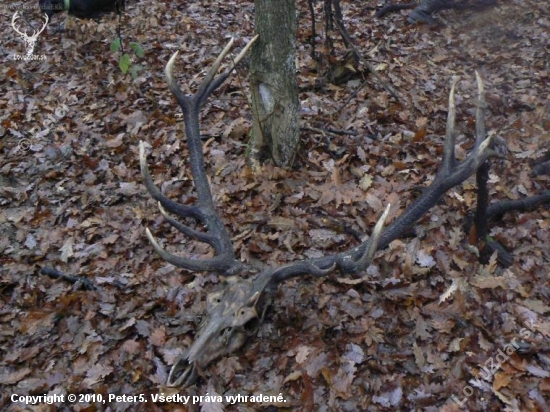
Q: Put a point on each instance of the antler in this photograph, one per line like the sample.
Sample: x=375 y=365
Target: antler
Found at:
x=204 y=210
x=13 y=20
x=450 y=174
x=25 y=35
x=236 y=310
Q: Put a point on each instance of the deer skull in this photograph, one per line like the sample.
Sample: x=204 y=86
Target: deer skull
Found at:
x=233 y=313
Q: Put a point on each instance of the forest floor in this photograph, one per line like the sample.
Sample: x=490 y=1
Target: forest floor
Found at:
x=431 y=329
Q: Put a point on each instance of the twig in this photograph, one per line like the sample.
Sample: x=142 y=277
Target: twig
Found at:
x=55 y=274
x=369 y=66
x=336 y=132
x=351 y=97
x=385 y=85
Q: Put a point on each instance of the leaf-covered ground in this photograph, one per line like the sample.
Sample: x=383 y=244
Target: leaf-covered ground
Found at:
x=412 y=337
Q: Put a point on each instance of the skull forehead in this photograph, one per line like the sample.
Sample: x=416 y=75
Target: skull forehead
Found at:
x=235 y=294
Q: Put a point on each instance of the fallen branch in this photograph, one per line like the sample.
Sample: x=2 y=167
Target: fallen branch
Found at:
x=522 y=205
x=55 y=274
x=336 y=132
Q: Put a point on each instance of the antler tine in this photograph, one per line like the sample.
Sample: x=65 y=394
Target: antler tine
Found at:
x=480 y=115
x=346 y=261
x=172 y=85
x=186 y=230
x=202 y=93
x=221 y=78
x=242 y=53
x=13 y=20
x=45 y=24
x=216 y=264
x=174 y=207
x=365 y=260
x=210 y=82
x=449 y=158
x=482 y=145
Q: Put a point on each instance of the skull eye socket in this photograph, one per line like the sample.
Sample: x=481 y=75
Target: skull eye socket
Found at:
x=252 y=326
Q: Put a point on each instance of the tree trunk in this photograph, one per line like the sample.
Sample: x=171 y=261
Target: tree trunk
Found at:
x=274 y=91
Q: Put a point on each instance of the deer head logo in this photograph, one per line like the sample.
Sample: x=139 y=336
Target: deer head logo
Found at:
x=30 y=40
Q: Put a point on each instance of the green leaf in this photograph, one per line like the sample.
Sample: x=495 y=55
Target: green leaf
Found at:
x=124 y=63
x=138 y=50
x=115 y=45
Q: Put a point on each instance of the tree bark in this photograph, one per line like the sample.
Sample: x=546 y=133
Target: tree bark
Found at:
x=274 y=91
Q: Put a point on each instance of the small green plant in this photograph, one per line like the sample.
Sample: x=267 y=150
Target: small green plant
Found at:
x=125 y=60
